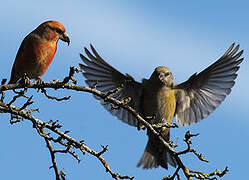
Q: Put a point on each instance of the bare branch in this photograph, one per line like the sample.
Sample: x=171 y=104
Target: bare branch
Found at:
x=28 y=102
x=53 y=126
x=53 y=97
x=188 y=135
x=52 y=154
x=201 y=175
x=72 y=71
x=103 y=151
x=68 y=142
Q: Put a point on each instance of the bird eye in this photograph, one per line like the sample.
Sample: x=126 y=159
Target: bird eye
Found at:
x=167 y=73
x=59 y=31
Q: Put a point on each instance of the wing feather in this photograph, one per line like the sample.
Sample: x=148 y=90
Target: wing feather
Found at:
x=202 y=93
x=104 y=77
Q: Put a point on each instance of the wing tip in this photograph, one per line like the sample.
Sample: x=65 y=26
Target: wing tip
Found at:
x=81 y=56
x=86 y=50
x=91 y=46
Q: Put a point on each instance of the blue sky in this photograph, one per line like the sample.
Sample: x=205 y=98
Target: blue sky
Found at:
x=134 y=37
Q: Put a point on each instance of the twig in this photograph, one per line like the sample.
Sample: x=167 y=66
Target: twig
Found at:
x=52 y=154
x=72 y=71
x=28 y=102
x=54 y=128
x=53 y=97
x=188 y=135
x=116 y=104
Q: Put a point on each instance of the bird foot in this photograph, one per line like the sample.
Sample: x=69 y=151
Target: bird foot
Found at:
x=25 y=79
x=150 y=117
x=39 y=81
x=159 y=125
x=172 y=144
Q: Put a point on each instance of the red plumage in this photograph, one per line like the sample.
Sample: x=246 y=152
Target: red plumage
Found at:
x=37 y=51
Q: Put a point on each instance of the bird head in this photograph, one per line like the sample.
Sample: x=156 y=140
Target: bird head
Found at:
x=52 y=31
x=163 y=76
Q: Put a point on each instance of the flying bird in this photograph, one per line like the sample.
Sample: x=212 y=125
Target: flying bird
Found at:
x=37 y=51
x=159 y=97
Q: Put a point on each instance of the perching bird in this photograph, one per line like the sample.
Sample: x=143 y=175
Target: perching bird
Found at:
x=161 y=98
x=37 y=51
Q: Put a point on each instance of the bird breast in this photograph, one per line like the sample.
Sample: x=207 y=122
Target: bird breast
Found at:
x=160 y=103
x=44 y=56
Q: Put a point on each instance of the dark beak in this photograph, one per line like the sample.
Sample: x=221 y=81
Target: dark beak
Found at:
x=64 y=37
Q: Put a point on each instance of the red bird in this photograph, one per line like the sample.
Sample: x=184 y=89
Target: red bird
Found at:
x=37 y=51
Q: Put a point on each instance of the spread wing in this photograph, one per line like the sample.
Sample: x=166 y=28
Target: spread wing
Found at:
x=202 y=93
x=106 y=78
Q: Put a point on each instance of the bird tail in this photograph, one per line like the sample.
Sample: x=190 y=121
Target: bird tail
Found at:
x=156 y=156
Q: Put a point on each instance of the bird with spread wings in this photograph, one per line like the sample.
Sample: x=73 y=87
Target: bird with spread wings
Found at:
x=159 y=97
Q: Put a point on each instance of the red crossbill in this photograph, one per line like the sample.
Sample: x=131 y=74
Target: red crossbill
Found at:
x=37 y=51
x=161 y=98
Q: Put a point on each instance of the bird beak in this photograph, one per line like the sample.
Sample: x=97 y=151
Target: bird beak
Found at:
x=64 y=37
x=161 y=76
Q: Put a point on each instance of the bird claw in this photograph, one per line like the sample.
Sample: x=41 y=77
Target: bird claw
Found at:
x=26 y=80
x=150 y=118
x=39 y=81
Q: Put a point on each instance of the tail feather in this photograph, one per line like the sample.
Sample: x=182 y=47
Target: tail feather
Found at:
x=151 y=158
x=148 y=161
x=170 y=159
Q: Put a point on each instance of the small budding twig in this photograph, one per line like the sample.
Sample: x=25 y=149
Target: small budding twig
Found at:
x=212 y=175
x=188 y=135
x=103 y=151
x=72 y=71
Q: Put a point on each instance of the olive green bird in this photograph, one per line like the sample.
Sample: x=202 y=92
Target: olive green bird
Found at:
x=159 y=97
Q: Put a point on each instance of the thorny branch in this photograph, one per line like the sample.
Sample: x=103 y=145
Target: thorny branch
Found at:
x=68 y=142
